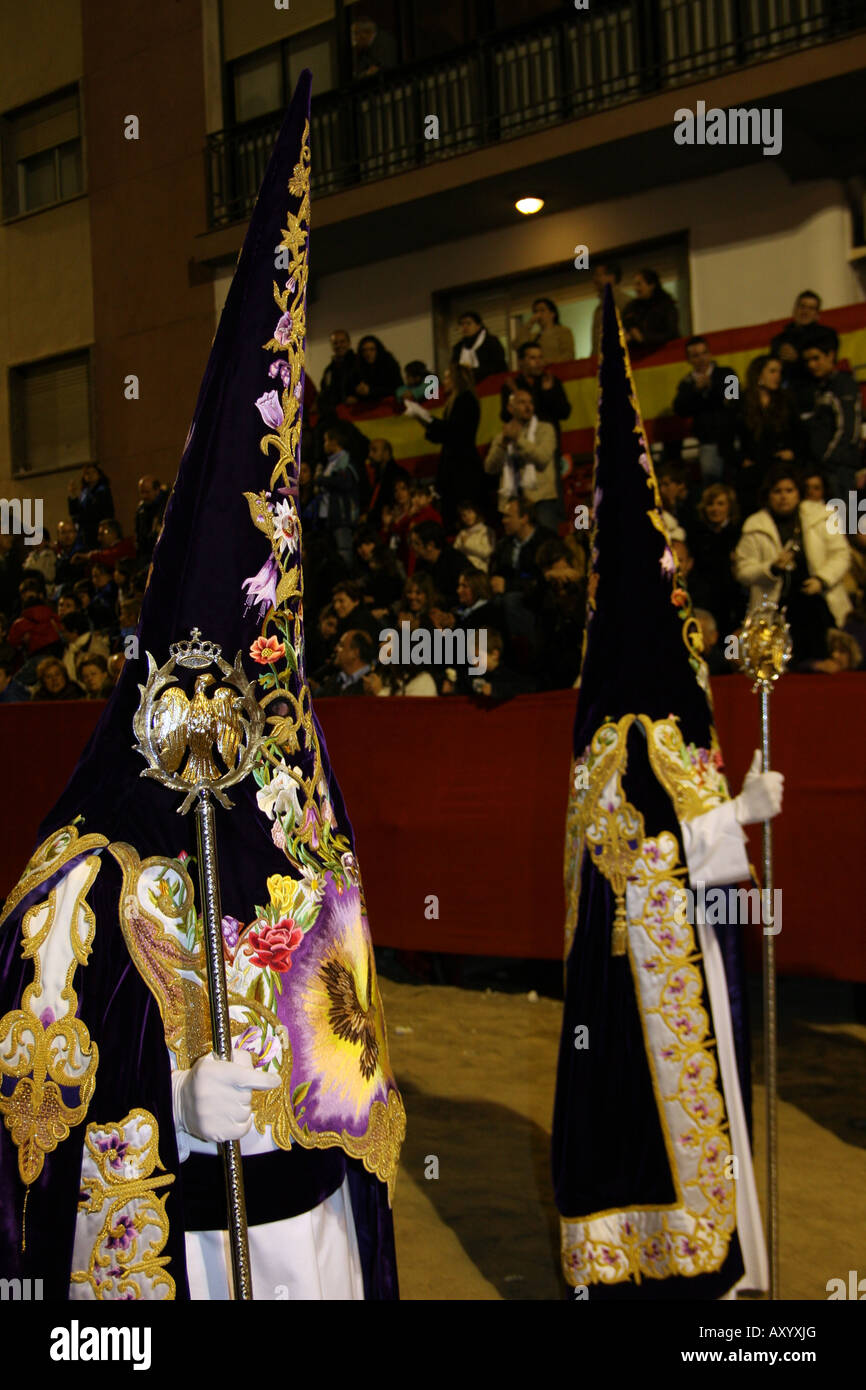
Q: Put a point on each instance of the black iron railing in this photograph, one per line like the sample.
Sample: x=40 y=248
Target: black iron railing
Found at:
x=514 y=83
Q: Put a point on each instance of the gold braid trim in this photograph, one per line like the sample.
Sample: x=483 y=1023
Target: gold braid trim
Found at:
x=52 y=854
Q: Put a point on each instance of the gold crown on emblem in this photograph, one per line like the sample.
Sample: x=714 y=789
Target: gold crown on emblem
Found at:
x=196 y=652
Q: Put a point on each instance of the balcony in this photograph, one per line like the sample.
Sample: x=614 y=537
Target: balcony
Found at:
x=513 y=84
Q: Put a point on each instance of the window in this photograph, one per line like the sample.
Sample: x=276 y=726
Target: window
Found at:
x=50 y=414
x=42 y=163
x=263 y=82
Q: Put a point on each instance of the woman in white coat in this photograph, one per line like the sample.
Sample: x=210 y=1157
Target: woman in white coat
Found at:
x=790 y=550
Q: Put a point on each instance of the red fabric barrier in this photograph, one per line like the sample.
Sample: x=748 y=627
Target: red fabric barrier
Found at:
x=465 y=802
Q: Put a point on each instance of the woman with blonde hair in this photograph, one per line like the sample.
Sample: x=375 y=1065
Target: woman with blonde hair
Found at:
x=712 y=542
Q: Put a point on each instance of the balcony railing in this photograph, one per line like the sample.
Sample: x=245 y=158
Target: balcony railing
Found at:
x=511 y=84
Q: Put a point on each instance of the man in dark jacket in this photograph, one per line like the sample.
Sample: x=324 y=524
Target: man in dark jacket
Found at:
x=478 y=348
x=789 y=345
x=334 y=386
x=547 y=392
x=437 y=558
x=148 y=514
x=708 y=395
x=834 y=425
x=512 y=564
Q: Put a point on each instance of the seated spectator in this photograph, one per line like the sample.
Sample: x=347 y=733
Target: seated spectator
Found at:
x=82 y=591
x=11 y=690
x=523 y=454
x=474 y=606
x=338 y=490
x=373 y=49
x=307 y=501
x=713 y=653
x=422 y=502
x=388 y=678
x=438 y=559
x=605 y=273
x=712 y=541
x=113 y=546
x=53 y=683
x=499 y=681
x=93 y=677
x=376 y=375
x=558 y=605
x=102 y=612
x=67 y=546
x=475 y=539
x=128 y=613
x=554 y=341
x=477 y=348
x=80 y=641
x=353 y=657
x=814 y=488
x=67 y=603
x=321 y=640
x=397 y=519
x=651 y=319
x=126 y=576
x=768 y=426
x=706 y=397
x=549 y=400
x=351 y=611
x=677 y=506
x=335 y=386
x=459 y=472
x=37 y=631
x=379 y=572
x=418 y=602
x=789 y=344
x=833 y=428
x=415 y=375
x=377 y=480
x=788 y=551
x=42 y=558
x=513 y=567
x=845 y=654
x=90 y=501
x=152 y=500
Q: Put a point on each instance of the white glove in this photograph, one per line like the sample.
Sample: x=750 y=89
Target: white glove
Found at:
x=761 y=797
x=213 y=1099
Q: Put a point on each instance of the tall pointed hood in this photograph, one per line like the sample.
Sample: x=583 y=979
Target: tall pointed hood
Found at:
x=112 y=878
x=642 y=652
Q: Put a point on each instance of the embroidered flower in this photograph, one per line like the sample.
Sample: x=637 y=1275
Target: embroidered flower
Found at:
x=679 y=597
x=262 y=587
x=286 y=527
x=668 y=562
x=291 y=284
x=266 y=650
x=283 y=330
x=281 y=795
x=122 y=1234
x=268 y=406
x=273 y=944
x=643 y=460
x=261 y=1047
x=280 y=366
x=350 y=866
x=231 y=929
x=115 y=1147
x=278 y=835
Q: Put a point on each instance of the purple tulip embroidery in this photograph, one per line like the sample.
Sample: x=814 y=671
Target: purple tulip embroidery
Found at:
x=270 y=409
x=261 y=589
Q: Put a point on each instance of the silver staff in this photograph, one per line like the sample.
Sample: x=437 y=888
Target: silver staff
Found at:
x=765 y=645
x=180 y=737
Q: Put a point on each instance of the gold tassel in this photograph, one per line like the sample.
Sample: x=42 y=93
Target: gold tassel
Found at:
x=618 y=936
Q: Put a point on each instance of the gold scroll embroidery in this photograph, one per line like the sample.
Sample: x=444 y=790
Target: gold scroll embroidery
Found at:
x=43 y=1045
x=692 y=1235
x=122 y=1223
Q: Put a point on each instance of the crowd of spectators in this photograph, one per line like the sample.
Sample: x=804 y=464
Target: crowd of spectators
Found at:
x=69 y=607
x=485 y=544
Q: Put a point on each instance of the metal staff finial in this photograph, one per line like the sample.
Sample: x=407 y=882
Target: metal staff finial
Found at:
x=200 y=746
x=765 y=647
